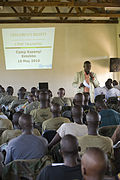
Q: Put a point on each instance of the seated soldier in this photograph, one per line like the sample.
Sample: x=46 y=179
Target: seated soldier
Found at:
x=86 y=107
x=112 y=92
x=77 y=128
x=108 y=116
x=10 y=134
x=24 y=90
x=94 y=164
x=56 y=121
x=33 y=90
x=27 y=145
x=19 y=101
x=99 y=91
x=116 y=85
x=8 y=98
x=43 y=112
x=33 y=105
x=93 y=139
x=7 y=135
x=61 y=100
x=30 y=99
x=2 y=115
x=71 y=169
x=50 y=97
x=78 y=100
x=5 y=123
x=113 y=103
x=2 y=91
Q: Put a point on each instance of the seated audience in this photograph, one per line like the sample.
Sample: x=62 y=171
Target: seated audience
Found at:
x=30 y=99
x=33 y=90
x=115 y=83
x=78 y=100
x=33 y=104
x=61 y=100
x=8 y=98
x=10 y=134
x=2 y=91
x=50 y=97
x=24 y=90
x=5 y=124
x=108 y=116
x=2 y=115
x=93 y=139
x=27 y=145
x=56 y=121
x=19 y=101
x=43 y=112
x=71 y=169
x=94 y=164
x=7 y=135
x=112 y=92
x=77 y=128
x=100 y=90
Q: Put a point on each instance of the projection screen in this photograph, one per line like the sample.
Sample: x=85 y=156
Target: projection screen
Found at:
x=28 y=48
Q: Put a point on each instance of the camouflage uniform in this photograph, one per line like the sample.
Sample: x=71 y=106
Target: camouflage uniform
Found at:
x=7 y=99
x=31 y=106
x=16 y=102
x=25 y=168
x=62 y=101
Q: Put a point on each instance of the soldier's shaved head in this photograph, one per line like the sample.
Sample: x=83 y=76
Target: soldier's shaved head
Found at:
x=77 y=114
x=69 y=145
x=78 y=99
x=100 y=105
x=92 y=116
x=26 y=122
x=94 y=164
x=56 y=108
x=93 y=121
x=16 y=117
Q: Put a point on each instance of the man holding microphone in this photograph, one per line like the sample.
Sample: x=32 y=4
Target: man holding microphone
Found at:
x=86 y=81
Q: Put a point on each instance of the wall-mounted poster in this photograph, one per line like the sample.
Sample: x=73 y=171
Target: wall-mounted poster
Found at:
x=114 y=64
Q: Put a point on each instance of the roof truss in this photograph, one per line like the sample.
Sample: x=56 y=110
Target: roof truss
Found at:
x=65 y=11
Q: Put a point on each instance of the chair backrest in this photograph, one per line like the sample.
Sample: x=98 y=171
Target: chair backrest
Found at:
x=49 y=135
x=25 y=169
x=107 y=130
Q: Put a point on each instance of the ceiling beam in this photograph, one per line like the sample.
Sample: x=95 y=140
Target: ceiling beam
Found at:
x=62 y=4
x=70 y=11
x=112 y=15
x=59 y=21
x=58 y=10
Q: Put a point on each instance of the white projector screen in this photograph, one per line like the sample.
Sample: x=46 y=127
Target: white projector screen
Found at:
x=28 y=48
